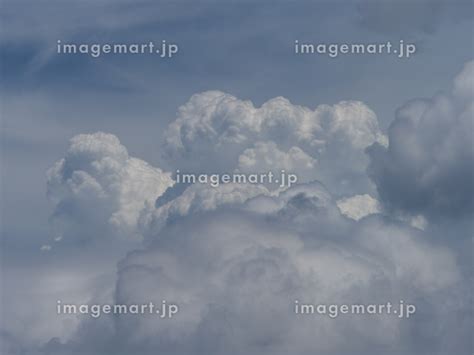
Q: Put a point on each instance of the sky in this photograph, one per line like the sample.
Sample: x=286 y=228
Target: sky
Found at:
x=382 y=146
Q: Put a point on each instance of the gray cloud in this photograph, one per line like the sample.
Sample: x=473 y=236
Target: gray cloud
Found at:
x=236 y=272
x=428 y=167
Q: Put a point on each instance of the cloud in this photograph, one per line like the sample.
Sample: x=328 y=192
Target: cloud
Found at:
x=215 y=131
x=236 y=257
x=265 y=156
x=45 y=247
x=196 y=198
x=236 y=272
x=358 y=206
x=428 y=167
x=97 y=189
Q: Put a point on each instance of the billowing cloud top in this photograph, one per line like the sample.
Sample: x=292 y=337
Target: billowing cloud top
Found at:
x=98 y=188
x=215 y=131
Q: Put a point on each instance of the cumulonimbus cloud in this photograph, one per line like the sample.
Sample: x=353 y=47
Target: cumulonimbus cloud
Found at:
x=236 y=257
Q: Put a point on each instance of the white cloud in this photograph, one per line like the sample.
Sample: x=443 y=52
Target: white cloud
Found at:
x=217 y=131
x=358 y=206
x=98 y=188
x=265 y=157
